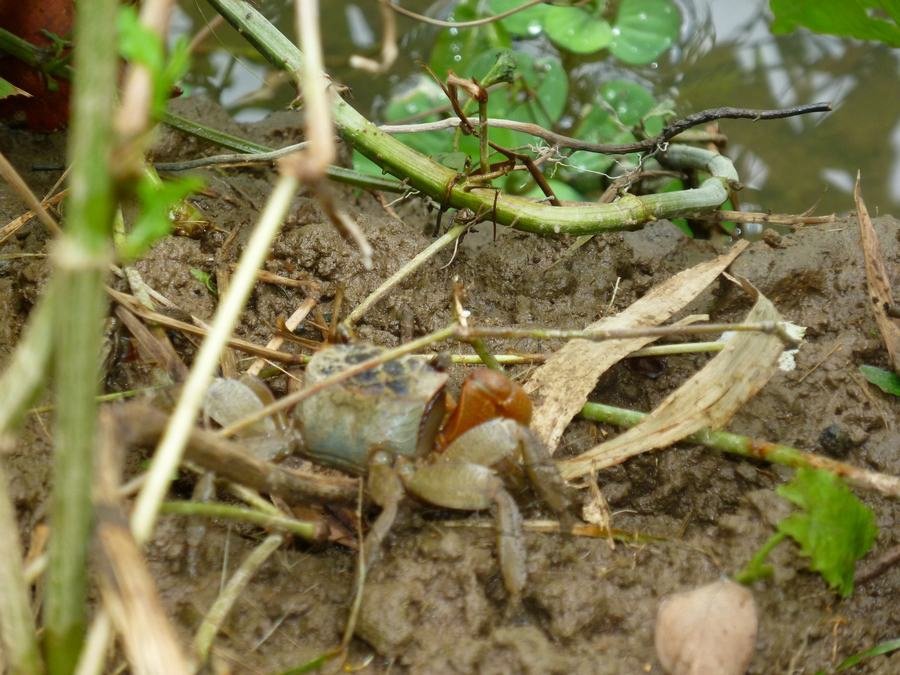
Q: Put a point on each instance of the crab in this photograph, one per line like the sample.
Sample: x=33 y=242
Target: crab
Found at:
x=390 y=424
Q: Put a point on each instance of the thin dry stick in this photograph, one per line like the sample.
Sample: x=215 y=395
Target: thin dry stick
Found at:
x=129 y=593
x=11 y=176
x=667 y=134
x=467 y=333
x=169 y=452
x=388 y=43
x=17 y=629
x=292 y=322
x=406 y=270
x=15 y=225
x=761 y=217
x=133 y=118
x=229 y=595
x=235 y=343
x=463 y=24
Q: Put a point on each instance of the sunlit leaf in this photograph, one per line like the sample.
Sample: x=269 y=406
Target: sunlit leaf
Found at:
x=887 y=381
x=9 y=89
x=860 y=19
x=629 y=100
x=577 y=30
x=157 y=199
x=562 y=190
x=833 y=528
x=410 y=105
x=455 y=48
x=879 y=649
x=644 y=29
x=527 y=23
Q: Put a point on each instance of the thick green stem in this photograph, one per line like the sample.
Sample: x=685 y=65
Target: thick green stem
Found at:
x=448 y=188
x=81 y=258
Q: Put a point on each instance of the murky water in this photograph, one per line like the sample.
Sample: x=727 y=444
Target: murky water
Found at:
x=727 y=56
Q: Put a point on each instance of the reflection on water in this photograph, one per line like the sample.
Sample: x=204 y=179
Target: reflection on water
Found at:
x=727 y=56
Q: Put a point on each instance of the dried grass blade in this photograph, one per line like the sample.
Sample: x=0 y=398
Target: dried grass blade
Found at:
x=878 y=280
x=561 y=386
x=708 y=399
x=126 y=585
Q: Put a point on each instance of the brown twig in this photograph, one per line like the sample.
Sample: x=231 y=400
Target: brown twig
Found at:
x=667 y=134
x=462 y=24
x=761 y=217
x=140 y=425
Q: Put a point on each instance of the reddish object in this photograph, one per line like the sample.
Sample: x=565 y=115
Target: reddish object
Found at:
x=46 y=110
x=485 y=394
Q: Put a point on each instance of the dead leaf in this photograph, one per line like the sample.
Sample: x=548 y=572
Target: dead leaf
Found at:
x=708 y=399
x=879 y=282
x=711 y=629
x=560 y=387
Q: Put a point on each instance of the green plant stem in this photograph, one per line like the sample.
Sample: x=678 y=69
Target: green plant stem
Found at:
x=448 y=188
x=755 y=449
x=305 y=529
x=17 y=630
x=756 y=567
x=256 y=152
x=81 y=258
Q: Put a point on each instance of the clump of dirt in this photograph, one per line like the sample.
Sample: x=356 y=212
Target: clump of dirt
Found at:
x=435 y=601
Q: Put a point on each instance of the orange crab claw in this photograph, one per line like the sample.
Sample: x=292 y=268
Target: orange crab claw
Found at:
x=485 y=395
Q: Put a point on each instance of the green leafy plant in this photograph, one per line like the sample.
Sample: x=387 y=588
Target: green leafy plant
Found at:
x=832 y=527
x=157 y=199
x=537 y=89
x=878 y=650
x=8 y=89
x=887 y=381
x=139 y=44
x=639 y=33
x=877 y=20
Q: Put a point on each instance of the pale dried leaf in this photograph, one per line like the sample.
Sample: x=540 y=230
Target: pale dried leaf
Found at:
x=711 y=629
x=560 y=387
x=879 y=282
x=708 y=399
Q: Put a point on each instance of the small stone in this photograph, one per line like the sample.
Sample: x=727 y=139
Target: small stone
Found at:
x=711 y=629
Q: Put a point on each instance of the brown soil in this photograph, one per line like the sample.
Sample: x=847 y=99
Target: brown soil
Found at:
x=435 y=602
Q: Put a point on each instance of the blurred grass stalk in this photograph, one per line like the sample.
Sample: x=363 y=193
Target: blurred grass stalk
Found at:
x=80 y=259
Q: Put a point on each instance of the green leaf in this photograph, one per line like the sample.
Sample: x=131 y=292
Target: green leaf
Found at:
x=887 y=381
x=833 y=528
x=456 y=48
x=629 y=100
x=206 y=279
x=9 y=89
x=139 y=44
x=563 y=191
x=644 y=29
x=527 y=23
x=423 y=96
x=578 y=31
x=363 y=164
x=157 y=199
x=879 y=649
x=863 y=19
